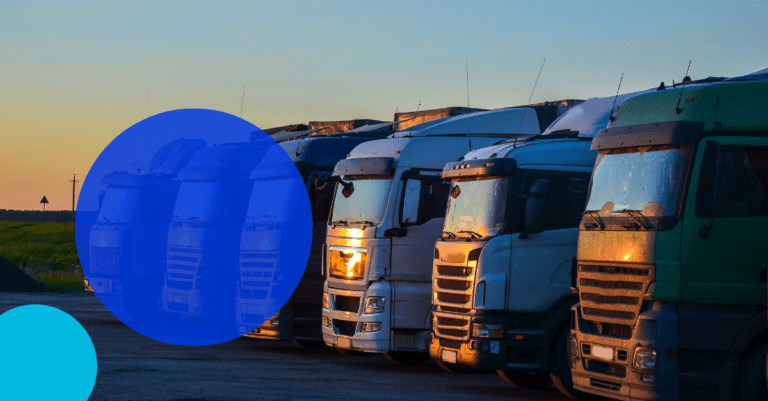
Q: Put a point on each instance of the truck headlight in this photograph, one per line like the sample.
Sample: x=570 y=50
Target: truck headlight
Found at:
x=644 y=358
x=374 y=304
x=573 y=348
x=369 y=327
x=485 y=330
x=326 y=301
x=347 y=264
x=326 y=321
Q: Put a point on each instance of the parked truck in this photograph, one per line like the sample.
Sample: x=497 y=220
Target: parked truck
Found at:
x=204 y=235
x=127 y=240
x=672 y=250
x=501 y=283
x=299 y=319
x=383 y=226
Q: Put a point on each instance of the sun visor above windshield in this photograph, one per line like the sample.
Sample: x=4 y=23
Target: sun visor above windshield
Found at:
x=667 y=133
x=474 y=168
x=121 y=179
x=365 y=166
x=206 y=173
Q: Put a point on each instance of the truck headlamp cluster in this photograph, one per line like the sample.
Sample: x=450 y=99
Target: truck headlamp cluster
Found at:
x=369 y=327
x=644 y=358
x=347 y=264
x=326 y=321
x=485 y=330
x=326 y=301
x=374 y=304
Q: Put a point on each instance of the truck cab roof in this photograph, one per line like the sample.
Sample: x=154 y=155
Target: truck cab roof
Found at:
x=223 y=161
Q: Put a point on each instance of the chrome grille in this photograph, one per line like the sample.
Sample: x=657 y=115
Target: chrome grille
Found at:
x=257 y=270
x=453 y=288
x=612 y=294
x=105 y=260
x=182 y=264
x=450 y=326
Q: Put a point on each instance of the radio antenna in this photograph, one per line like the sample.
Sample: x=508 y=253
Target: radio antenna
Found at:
x=677 y=108
x=410 y=129
x=241 y=102
x=466 y=66
x=611 y=118
x=530 y=97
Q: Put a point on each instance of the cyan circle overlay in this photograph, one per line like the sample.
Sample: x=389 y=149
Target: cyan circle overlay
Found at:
x=46 y=355
x=193 y=227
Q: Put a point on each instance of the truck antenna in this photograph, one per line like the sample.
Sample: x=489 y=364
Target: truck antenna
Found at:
x=410 y=129
x=685 y=79
x=241 y=102
x=466 y=66
x=612 y=118
x=530 y=97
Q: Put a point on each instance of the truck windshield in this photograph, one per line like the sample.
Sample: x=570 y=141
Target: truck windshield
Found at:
x=274 y=202
x=476 y=207
x=200 y=200
x=645 y=179
x=118 y=205
x=365 y=205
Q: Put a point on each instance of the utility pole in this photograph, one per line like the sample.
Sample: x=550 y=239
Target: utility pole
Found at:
x=73 y=181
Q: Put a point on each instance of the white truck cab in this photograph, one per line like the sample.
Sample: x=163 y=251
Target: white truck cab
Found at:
x=502 y=266
x=383 y=226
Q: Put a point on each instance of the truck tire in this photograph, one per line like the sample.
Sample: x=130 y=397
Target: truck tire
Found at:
x=536 y=381
x=309 y=344
x=751 y=382
x=407 y=358
x=560 y=369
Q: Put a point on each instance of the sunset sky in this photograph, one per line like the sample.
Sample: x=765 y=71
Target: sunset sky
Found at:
x=73 y=76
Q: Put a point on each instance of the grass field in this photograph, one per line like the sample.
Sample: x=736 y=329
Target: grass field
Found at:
x=45 y=251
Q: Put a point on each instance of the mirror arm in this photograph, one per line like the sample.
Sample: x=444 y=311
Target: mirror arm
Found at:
x=704 y=231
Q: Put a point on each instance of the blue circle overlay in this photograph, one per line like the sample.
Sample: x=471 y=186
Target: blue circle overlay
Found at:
x=193 y=227
x=46 y=355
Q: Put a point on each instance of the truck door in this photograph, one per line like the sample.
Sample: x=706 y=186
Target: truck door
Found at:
x=726 y=266
x=421 y=217
x=541 y=263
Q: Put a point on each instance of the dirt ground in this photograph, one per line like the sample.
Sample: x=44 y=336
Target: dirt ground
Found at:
x=134 y=367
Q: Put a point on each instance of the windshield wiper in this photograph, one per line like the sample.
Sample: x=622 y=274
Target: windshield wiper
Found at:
x=472 y=234
x=339 y=223
x=365 y=223
x=644 y=223
x=596 y=217
x=449 y=234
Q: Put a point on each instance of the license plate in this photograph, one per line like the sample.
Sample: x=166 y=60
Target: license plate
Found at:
x=449 y=356
x=344 y=342
x=604 y=353
x=178 y=298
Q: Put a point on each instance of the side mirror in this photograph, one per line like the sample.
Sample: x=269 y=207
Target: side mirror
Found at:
x=101 y=198
x=536 y=208
x=437 y=187
x=349 y=188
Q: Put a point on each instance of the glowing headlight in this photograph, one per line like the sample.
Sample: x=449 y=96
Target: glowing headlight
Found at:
x=485 y=330
x=374 y=305
x=326 y=301
x=644 y=358
x=346 y=264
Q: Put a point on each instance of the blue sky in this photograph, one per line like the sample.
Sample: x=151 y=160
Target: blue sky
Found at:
x=74 y=75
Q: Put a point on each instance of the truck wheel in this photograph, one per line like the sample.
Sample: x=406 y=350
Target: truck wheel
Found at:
x=751 y=382
x=535 y=381
x=560 y=369
x=309 y=344
x=407 y=358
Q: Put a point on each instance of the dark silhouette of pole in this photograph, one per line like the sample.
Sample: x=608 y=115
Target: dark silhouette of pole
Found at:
x=73 y=181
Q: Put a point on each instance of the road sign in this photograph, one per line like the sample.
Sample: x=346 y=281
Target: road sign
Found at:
x=44 y=201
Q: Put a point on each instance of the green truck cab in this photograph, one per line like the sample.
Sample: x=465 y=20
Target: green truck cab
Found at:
x=672 y=248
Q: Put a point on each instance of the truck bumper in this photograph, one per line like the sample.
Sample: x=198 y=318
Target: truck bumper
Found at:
x=610 y=373
x=347 y=315
x=519 y=350
x=181 y=303
x=277 y=327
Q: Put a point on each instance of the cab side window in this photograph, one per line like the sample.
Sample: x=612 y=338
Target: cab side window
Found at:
x=741 y=188
x=320 y=201
x=567 y=197
x=418 y=204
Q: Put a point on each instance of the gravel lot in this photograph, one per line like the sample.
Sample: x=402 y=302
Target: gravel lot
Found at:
x=134 y=367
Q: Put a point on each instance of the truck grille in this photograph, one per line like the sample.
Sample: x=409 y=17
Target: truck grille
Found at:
x=105 y=260
x=345 y=303
x=453 y=288
x=452 y=327
x=612 y=295
x=257 y=270
x=181 y=266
